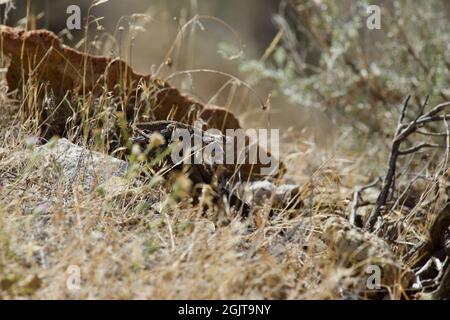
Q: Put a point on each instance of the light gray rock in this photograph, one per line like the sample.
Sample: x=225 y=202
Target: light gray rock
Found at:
x=282 y=196
x=80 y=165
x=360 y=250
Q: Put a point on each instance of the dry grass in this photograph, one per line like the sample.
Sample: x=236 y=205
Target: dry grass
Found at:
x=147 y=240
x=127 y=247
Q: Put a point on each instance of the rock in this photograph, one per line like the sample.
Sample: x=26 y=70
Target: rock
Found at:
x=362 y=251
x=280 y=197
x=56 y=65
x=82 y=166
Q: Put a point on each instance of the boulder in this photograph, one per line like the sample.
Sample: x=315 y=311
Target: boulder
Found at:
x=82 y=166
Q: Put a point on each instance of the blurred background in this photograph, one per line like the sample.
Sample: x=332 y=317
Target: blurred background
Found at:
x=314 y=63
x=150 y=28
x=242 y=30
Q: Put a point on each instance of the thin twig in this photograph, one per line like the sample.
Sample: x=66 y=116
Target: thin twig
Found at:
x=419 y=147
x=392 y=165
x=357 y=197
x=402 y=133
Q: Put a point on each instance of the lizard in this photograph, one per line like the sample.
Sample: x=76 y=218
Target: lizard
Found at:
x=201 y=171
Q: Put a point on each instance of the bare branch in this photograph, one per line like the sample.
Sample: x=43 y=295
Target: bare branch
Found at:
x=357 y=197
x=403 y=112
x=402 y=133
x=432 y=134
x=419 y=147
x=438 y=109
x=392 y=165
x=424 y=120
